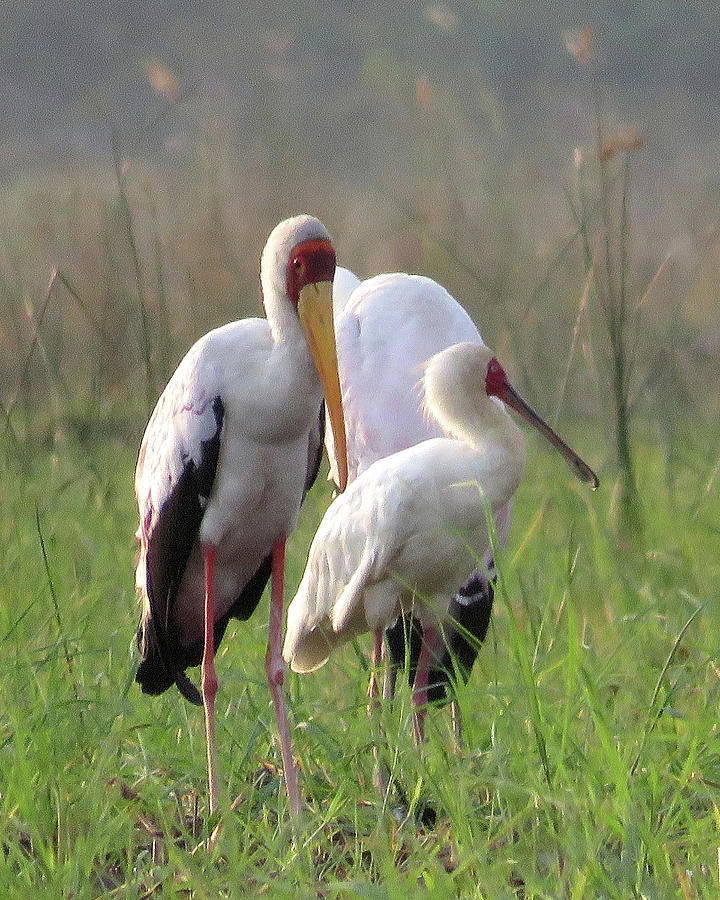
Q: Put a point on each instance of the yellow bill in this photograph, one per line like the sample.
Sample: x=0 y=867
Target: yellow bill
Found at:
x=316 y=316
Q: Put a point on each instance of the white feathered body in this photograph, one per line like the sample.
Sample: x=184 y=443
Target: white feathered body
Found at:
x=386 y=329
x=411 y=528
x=271 y=395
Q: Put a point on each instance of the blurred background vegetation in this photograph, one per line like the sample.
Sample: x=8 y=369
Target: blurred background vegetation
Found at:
x=555 y=165
x=147 y=149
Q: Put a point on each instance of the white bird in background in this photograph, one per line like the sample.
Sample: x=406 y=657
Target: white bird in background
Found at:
x=228 y=454
x=386 y=329
x=408 y=530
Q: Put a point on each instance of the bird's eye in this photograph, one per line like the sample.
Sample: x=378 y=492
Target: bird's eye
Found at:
x=298 y=263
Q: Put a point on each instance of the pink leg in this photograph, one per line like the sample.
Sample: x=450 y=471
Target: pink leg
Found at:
x=420 y=685
x=373 y=709
x=208 y=681
x=275 y=669
x=389 y=676
x=373 y=689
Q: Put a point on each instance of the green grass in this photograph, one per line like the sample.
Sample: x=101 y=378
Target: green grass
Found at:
x=591 y=764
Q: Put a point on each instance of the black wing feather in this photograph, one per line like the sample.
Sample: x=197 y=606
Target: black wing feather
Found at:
x=169 y=547
x=471 y=610
x=315 y=450
x=172 y=540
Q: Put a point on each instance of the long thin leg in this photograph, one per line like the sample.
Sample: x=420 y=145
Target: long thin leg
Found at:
x=373 y=689
x=420 y=685
x=373 y=710
x=275 y=669
x=389 y=675
x=209 y=682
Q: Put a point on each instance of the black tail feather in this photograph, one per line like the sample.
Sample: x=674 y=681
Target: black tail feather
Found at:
x=154 y=675
x=188 y=689
x=165 y=661
x=470 y=610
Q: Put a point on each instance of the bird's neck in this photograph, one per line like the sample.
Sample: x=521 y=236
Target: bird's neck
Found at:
x=293 y=390
x=291 y=353
x=279 y=311
x=491 y=426
x=488 y=430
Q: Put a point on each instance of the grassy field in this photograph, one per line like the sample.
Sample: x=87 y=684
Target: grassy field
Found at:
x=590 y=766
x=591 y=763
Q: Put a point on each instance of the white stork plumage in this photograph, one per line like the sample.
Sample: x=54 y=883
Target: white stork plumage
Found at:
x=386 y=328
x=406 y=533
x=227 y=456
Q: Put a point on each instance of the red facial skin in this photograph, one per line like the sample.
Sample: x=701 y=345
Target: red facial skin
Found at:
x=310 y=262
x=495 y=379
x=497 y=385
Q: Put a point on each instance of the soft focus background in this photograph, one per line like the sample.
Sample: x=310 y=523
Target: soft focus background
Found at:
x=451 y=139
x=555 y=165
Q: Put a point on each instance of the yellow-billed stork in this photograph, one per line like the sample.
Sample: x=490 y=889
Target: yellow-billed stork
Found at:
x=228 y=454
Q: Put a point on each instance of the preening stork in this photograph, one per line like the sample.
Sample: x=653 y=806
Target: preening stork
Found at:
x=386 y=329
x=407 y=531
x=228 y=454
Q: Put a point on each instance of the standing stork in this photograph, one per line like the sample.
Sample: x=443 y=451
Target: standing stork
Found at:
x=228 y=454
x=407 y=532
x=386 y=328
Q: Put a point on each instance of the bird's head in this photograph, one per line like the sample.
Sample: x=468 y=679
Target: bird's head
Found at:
x=298 y=265
x=474 y=370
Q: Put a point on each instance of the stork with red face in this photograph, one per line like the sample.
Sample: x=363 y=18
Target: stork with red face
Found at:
x=231 y=449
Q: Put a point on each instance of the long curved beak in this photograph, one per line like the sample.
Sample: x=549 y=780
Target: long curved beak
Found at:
x=583 y=471
x=315 y=310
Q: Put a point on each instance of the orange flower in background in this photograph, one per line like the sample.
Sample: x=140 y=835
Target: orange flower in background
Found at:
x=579 y=44
x=423 y=92
x=163 y=80
x=627 y=140
x=442 y=17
